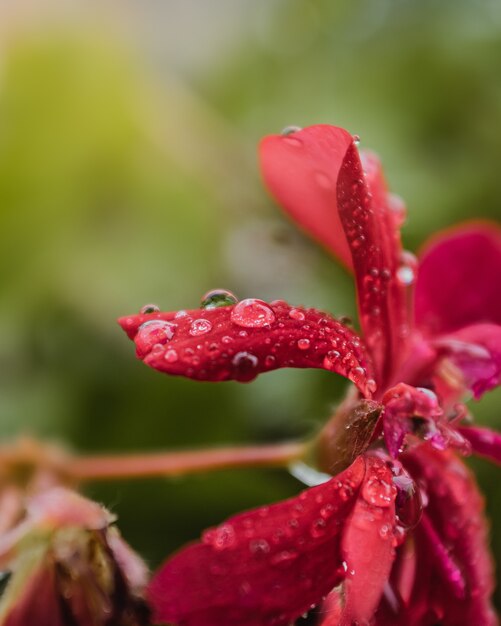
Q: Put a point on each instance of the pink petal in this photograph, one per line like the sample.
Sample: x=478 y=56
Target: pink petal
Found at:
x=402 y=403
x=239 y=342
x=301 y=171
x=460 y=571
x=317 y=176
x=368 y=544
x=484 y=442
x=476 y=351
x=458 y=282
x=266 y=566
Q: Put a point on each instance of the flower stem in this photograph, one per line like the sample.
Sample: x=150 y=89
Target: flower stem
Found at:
x=108 y=467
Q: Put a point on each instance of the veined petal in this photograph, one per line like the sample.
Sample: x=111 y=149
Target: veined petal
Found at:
x=484 y=442
x=317 y=176
x=458 y=282
x=301 y=170
x=266 y=566
x=460 y=572
x=476 y=351
x=241 y=341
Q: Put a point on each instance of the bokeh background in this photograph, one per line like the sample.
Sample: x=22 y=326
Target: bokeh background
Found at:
x=128 y=175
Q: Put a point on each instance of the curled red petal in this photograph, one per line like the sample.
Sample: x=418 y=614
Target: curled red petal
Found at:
x=300 y=170
x=462 y=576
x=241 y=341
x=317 y=176
x=367 y=544
x=484 y=442
x=384 y=274
x=266 y=566
x=458 y=282
x=476 y=351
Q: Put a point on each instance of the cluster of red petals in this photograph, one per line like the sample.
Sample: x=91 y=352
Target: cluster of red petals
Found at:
x=398 y=538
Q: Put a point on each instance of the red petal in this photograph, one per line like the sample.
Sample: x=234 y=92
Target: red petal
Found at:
x=239 y=342
x=456 y=512
x=266 y=566
x=458 y=282
x=368 y=544
x=301 y=171
x=484 y=442
x=317 y=176
x=476 y=351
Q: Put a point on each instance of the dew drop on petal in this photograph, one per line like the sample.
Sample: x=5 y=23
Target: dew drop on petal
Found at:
x=303 y=344
x=259 y=546
x=221 y=538
x=406 y=273
x=171 y=356
x=149 y=308
x=331 y=358
x=283 y=558
x=297 y=315
x=290 y=130
x=181 y=313
x=200 y=327
x=153 y=332
x=218 y=298
x=378 y=492
x=408 y=503
x=371 y=385
x=252 y=313
x=245 y=365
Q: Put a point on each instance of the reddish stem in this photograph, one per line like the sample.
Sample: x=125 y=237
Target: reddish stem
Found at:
x=177 y=463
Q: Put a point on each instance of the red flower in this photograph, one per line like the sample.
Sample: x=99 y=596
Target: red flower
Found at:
x=399 y=541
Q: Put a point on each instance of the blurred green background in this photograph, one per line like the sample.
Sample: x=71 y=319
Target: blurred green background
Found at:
x=128 y=175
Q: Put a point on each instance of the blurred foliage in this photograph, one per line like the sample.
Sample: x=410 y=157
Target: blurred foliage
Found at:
x=120 y=185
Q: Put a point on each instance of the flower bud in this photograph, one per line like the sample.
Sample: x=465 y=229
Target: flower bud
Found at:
x=70 y=567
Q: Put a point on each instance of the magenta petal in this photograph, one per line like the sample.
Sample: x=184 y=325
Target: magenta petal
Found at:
x=458 y=282
x=266 y=566
x=456 y=512
x=484 y=442
x=476 y=351
x=239 y=342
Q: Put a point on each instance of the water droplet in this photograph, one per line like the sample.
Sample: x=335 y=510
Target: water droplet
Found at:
x=290 y=130
x=200 y=327
x=406 y=273
x=221 y=538
x=356 y=139
x=297 y=315
x=245 y=364
x=408 y=503
x=317 y=529
x=152 y=333
x=378 y=492
x=384 y=531
x=371 y=385
x=270 y=360
x=331 y=358
x=283 y=558
x=181 y=313
x=149 y=308
x=356 y=374
x=252 y=313
x=171 y=356
x=218 y=298
x=303 y=344
x=259 y=546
